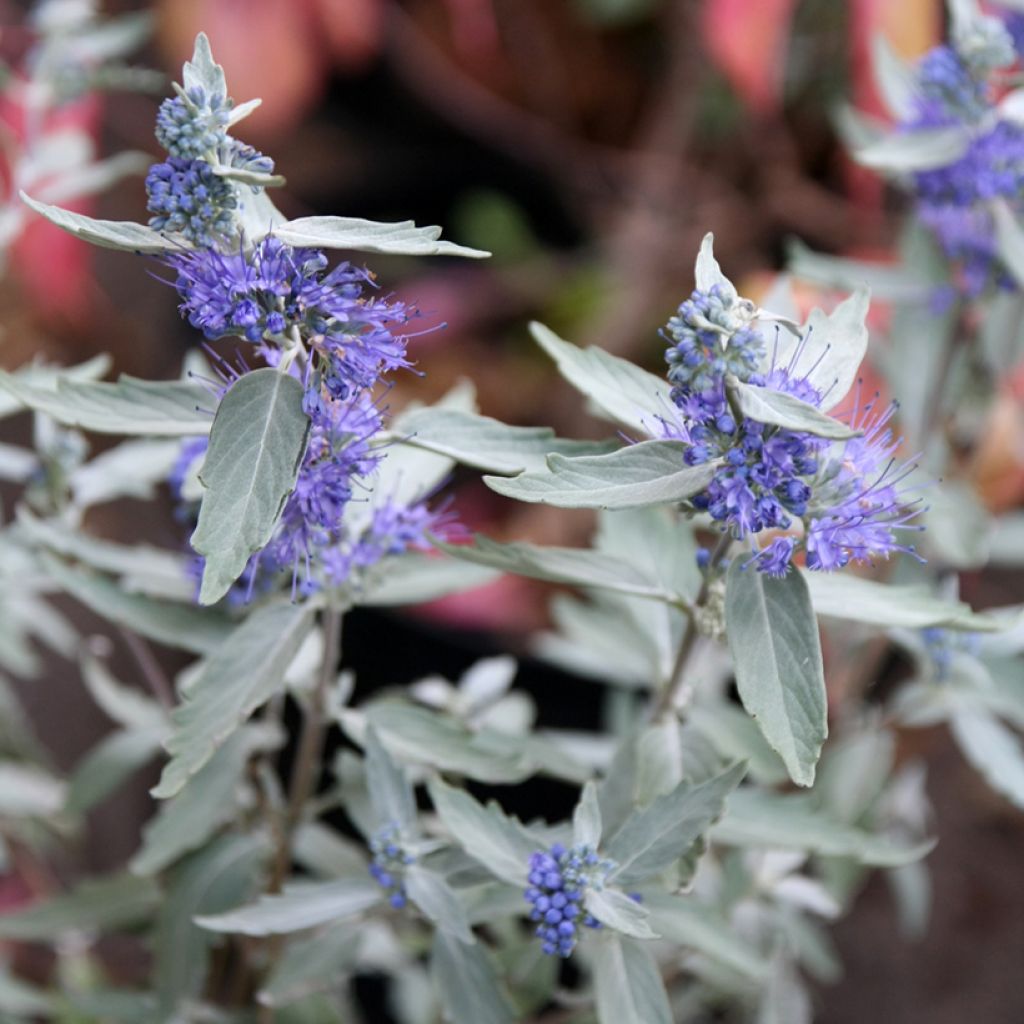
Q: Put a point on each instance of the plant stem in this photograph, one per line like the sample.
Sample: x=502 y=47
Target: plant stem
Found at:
x=153 y=674
x=667 y=698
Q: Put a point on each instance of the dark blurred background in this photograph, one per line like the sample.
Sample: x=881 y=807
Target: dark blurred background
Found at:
x=589 y=144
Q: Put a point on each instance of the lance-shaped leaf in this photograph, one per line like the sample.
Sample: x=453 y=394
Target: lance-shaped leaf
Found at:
x=499 y=842
x=203 y=72
x=415 y=577
x=301 y=906
x=256 y=446
x=776 y=651
x=707 y=274
x=485 y=443
x=629 y=986
x=918 y=150
x=576 y=566
x=175 y=625
x=616 y=910
x=109 y=234
x=894 y=79
x=400 y=238
x=390 y=792
x=782 y=410
x=624 y=393
x=106 y=904
x=243 y=673
x=639 y=475
x=844 y=596
x=993 y=749
x=311 y=965
x=659 y=834
x=467 y=984
x=170 y=408
x=586 y=818
x=432 y=894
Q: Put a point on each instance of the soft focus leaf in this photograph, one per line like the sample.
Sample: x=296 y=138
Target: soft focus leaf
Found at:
x=103 y=905
x=488 y=444
x=415 y=577
x=785 y=999
x=993 y=749
x=782 y=410
x=466 y=983
x=401 y=238
x=432 y=894
x=628 y=983
x=301 y=906
x=586 y=819
x=659 y=834
x=256 y=445
x=648 y=473
x=920 y=150
x=27 y=791
x=109 y=764
x=499 y=842
x=242 y=673
x=957 y=526
x=773 y=639
x=311 y=965
x=109 y=234
x=132 y=469
x=624 y=393
x=390 y=791
x=895 y=79
x=576 y=566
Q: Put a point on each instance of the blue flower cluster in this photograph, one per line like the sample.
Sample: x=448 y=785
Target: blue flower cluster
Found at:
x=849 y=500
x=711 y=337
x=389 y=862
x=187 y=197
x=949 y=92
x=192 y=125
x=943 y=645
x=558 y=882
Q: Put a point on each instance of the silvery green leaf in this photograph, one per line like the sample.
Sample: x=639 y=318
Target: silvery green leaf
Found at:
x=844 y=596
x=487 y=834
x=1009 y=239
x=854 y=773
x=432 y=894
x=1007 y=541
x=202 y=72
x=108 y=234
x=616 y=910
x=321 y=851
x=126 y=705
x=390 y=791
x=175 y=625
x=993 y=749
x=141 y=568
x=243 y=110
x=244 y=176
x=735 y=735
x=692 y=925
x=245 y=671
x=586 y=819
x=43 y=376
x=922 y=149
x=622 y=392
x=894 y=79
x=1002 y=333
x=628 y=984
x=101 y=905
x=885 y=280
x=485 y=443
x=782 y=410
x=21 y=1001
x=311 y=965
x=214 y=797
x=836 y=344
x=785 y=999
x=575 y=566
x=793 y=822
x=400 y=238
x=467 y=984
x=220 y=876
x=416 y=577
x=27 y=791
x=776 y=651
x=110 y=1005
x=94 y=177
x=708 y=274
x=657 y=835
x=415 y=734
x=132 y=469
x=17 y=464
x=256 y=446
x=957 y=526
x=648 y=473
x=658 y=765
x=110 y=763
x=912 y=892
x=171 y=408
x=302 y=905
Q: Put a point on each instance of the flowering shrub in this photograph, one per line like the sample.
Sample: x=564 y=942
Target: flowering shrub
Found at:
x=731 y=503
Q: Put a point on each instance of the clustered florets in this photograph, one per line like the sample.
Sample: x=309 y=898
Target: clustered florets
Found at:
x=849 y=502
x=192 y=125
x=187 y=197
x=389 y=863
x=558 y=881
x=943 y=645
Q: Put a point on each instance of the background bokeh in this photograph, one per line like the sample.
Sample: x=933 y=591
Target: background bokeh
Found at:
x=589 y=144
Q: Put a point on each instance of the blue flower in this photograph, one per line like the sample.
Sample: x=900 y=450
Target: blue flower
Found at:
x=949 y=93
x=192 y=125
x=389 y=863
x=186 y=196
x=558 y=880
